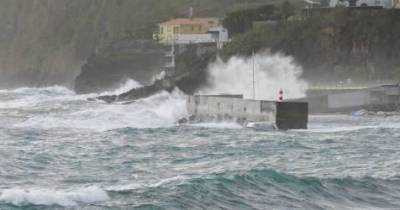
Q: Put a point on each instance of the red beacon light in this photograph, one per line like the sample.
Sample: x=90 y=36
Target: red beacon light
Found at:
x=280 y=99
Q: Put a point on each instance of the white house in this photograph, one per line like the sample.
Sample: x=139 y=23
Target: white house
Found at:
x=218 y=35
x=387 y=4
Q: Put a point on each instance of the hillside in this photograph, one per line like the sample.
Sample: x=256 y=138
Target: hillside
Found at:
x=45 y=42
x=332 y=45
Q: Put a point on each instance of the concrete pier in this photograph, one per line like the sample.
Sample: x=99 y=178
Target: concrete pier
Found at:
x=284 y=115
x=381 y=98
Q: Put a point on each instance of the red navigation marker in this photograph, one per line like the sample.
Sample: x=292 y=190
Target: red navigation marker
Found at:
x=280 y=99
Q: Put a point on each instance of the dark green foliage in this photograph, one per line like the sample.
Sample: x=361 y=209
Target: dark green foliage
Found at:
x=286 y=10
x=191 y=67
x=242 y=20
x=334 y=44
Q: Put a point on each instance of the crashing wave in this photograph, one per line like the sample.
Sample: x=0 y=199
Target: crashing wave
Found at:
x=47 y=197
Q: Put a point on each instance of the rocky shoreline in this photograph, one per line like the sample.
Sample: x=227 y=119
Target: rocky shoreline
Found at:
x=112 y=65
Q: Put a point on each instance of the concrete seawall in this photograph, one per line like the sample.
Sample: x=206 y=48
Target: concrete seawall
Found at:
x=382 y=98
x=284 y=115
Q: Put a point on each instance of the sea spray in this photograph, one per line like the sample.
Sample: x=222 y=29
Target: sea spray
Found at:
x=128 y=85
x=158 y=76
x=65 y=109
x=272 y=72
x=47 y=197
x=160 y=110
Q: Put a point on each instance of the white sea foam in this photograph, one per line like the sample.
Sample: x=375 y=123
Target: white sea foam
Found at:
x=160 y=110
x=30 y=97
x=26 y=90
x=176 y=180
x=123 y=88
x=47 y=197
x=272 y=73
x=159 y=76
x=179 y=179
x=227 y=125
x=334 y=129
x=377 y=123
x=69 y=110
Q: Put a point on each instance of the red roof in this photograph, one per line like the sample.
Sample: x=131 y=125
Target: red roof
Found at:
x=188 y=21
x=180 y=21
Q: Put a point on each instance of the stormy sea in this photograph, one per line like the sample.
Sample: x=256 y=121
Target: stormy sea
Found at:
x=60 y=151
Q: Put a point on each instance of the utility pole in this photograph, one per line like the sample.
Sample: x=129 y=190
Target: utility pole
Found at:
x=254 y=86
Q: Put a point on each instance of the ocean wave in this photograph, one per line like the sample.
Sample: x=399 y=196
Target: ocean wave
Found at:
x=350 y=128
x=335 y=129
x=176 y=180
x=258 y=189
x=31 y=97
x=163 y=109
x=227 y=125
x=46 y=96
x=128 y=85
x=43 y=97
x=48 y=197
x=25 y=90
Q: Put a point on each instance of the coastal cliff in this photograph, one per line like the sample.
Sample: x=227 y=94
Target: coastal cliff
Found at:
x=91 y=45
x=331 y=44
x=111 y=66
x=46 y=42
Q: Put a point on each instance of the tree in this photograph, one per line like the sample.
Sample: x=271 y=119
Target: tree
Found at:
x=287 y=10
x=324 y=3
x=338 y=44
x=241 y=21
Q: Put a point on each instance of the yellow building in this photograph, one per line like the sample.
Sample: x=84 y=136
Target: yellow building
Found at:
x=170 y=29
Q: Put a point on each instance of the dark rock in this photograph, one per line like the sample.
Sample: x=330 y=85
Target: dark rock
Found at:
x=183 y=121
x=113 y=65
x=142 y=92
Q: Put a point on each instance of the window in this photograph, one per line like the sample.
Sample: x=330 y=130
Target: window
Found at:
x=161 y=30
x=176 y=30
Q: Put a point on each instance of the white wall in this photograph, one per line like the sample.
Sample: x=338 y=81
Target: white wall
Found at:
x=384 y=3
x=350 y=99
x=234 y=107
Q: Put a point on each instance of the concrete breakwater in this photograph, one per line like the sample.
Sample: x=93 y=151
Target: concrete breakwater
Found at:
x=381 y=98
x=284 y=115
x=208 y=108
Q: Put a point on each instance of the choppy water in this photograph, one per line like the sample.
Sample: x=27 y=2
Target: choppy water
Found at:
x=59 y=151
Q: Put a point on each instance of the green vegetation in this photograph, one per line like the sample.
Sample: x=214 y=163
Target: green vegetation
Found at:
x=335 y=44
x=330 y=44
x=191 y=66
x=47 y=41
x=241 y=21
